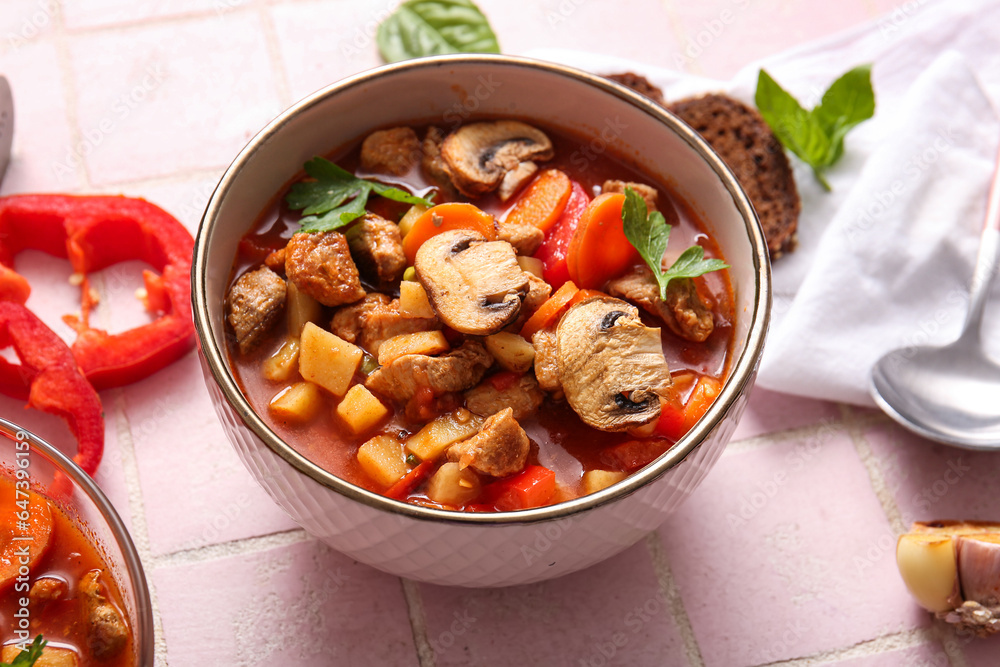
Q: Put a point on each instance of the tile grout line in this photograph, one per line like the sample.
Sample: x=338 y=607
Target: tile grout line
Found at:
x=69 y=90
x=770 y=438
x=140 y=527
x=418 y=622
x=872 y=464
x=274 y=54
x=672 y=596
x=241 y=546
x=881 y=645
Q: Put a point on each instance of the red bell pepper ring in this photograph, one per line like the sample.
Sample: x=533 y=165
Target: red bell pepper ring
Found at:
x=48 y=377
x=553 y=251
x=94 y=233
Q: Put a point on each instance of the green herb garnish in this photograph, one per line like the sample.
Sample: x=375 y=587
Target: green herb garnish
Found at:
x=432 y=27
x=30 y=656
x=322 y=200
x=649 y=234
x=817 y=136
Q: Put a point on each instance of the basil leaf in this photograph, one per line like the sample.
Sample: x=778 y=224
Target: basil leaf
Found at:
x=850 y=100
x=30 y=656
x=432 y=27
x=322 y=200
x=649 y=234
x=817 y=136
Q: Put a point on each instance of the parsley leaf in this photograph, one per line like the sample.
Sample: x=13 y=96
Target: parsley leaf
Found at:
x=649 y=235
x=817 y=136
x=336 y=197
x=29 y=657
x=432 y=27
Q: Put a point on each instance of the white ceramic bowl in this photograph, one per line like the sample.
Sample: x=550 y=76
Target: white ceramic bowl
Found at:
x=479 y=549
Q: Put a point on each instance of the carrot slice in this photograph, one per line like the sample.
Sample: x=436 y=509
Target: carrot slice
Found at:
x=543 y=202
x=599 y=250
x=549 y=311
x=584 y=294
x=676 y=420
x=445 y=217
x=25 y=529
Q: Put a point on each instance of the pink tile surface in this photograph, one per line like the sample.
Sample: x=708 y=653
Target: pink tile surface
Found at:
x=301 y=604
x=162 y=99
x=793 y=531
x=555 y=622
x=931 y=481
x=784 y=553
x=771 y=411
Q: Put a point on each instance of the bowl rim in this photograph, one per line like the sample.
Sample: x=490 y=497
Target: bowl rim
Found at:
x=133 y=563
x=742 y=369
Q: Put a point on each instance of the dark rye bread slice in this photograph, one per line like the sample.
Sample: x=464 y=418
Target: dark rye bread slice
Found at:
x=748 y=146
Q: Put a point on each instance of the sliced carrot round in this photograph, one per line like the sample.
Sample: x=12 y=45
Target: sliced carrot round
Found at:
x=549 y=311
x=25 y=529
x=543 y=202
x=599 y=250
x=445 y=217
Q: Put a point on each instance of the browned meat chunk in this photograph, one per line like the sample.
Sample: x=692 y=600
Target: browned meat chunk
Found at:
x=432 y=163
x=683 y=311
x=255 y=303
x=539 y=292
x=526 y=239
x=320 y=265
x=392 y=151
x=107 y=631
x=44 y=591
x=376 y=319
x=523 y=398
x=647 y=192
x=457 y=370
x=547 y=361
x=499 y=449
x=377 y=248
x=276 y=261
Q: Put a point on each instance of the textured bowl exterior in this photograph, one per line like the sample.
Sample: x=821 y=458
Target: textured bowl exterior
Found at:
x=447 y=547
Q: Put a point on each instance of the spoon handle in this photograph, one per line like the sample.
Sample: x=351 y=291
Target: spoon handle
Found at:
x=986 y=260
x=6 y=124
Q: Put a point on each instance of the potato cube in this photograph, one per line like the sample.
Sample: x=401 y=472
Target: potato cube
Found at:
x=453 y=485
x=327 y=359
x=511 y=351
x=299 y=402
x=410 y=217
x=300 y=308
x=52 y=656
x=281 y=366
x=382 y=458
x=531 y=265
x=419 y=342
x=430 y=442
x=595 y=480
x=413 y=300
x=361 y=410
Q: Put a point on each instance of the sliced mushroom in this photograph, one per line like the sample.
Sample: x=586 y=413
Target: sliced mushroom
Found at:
x=611 y=365
x=475 y=286
x=479 y=156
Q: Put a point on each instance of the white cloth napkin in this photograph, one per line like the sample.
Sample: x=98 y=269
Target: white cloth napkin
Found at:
x=884 y=260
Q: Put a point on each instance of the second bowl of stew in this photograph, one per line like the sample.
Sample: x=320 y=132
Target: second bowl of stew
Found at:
x=479 y=320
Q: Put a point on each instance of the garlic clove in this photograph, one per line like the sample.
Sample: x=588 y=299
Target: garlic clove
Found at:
x=979 y=567
x=928 y=564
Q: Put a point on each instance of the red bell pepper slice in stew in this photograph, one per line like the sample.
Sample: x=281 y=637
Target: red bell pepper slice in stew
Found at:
x=554 y=250
x=532 y=487
x=94 y=233
x=49 y=378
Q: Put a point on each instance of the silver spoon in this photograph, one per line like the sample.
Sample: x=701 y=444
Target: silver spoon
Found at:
x=951 y=394
x=6 y=124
